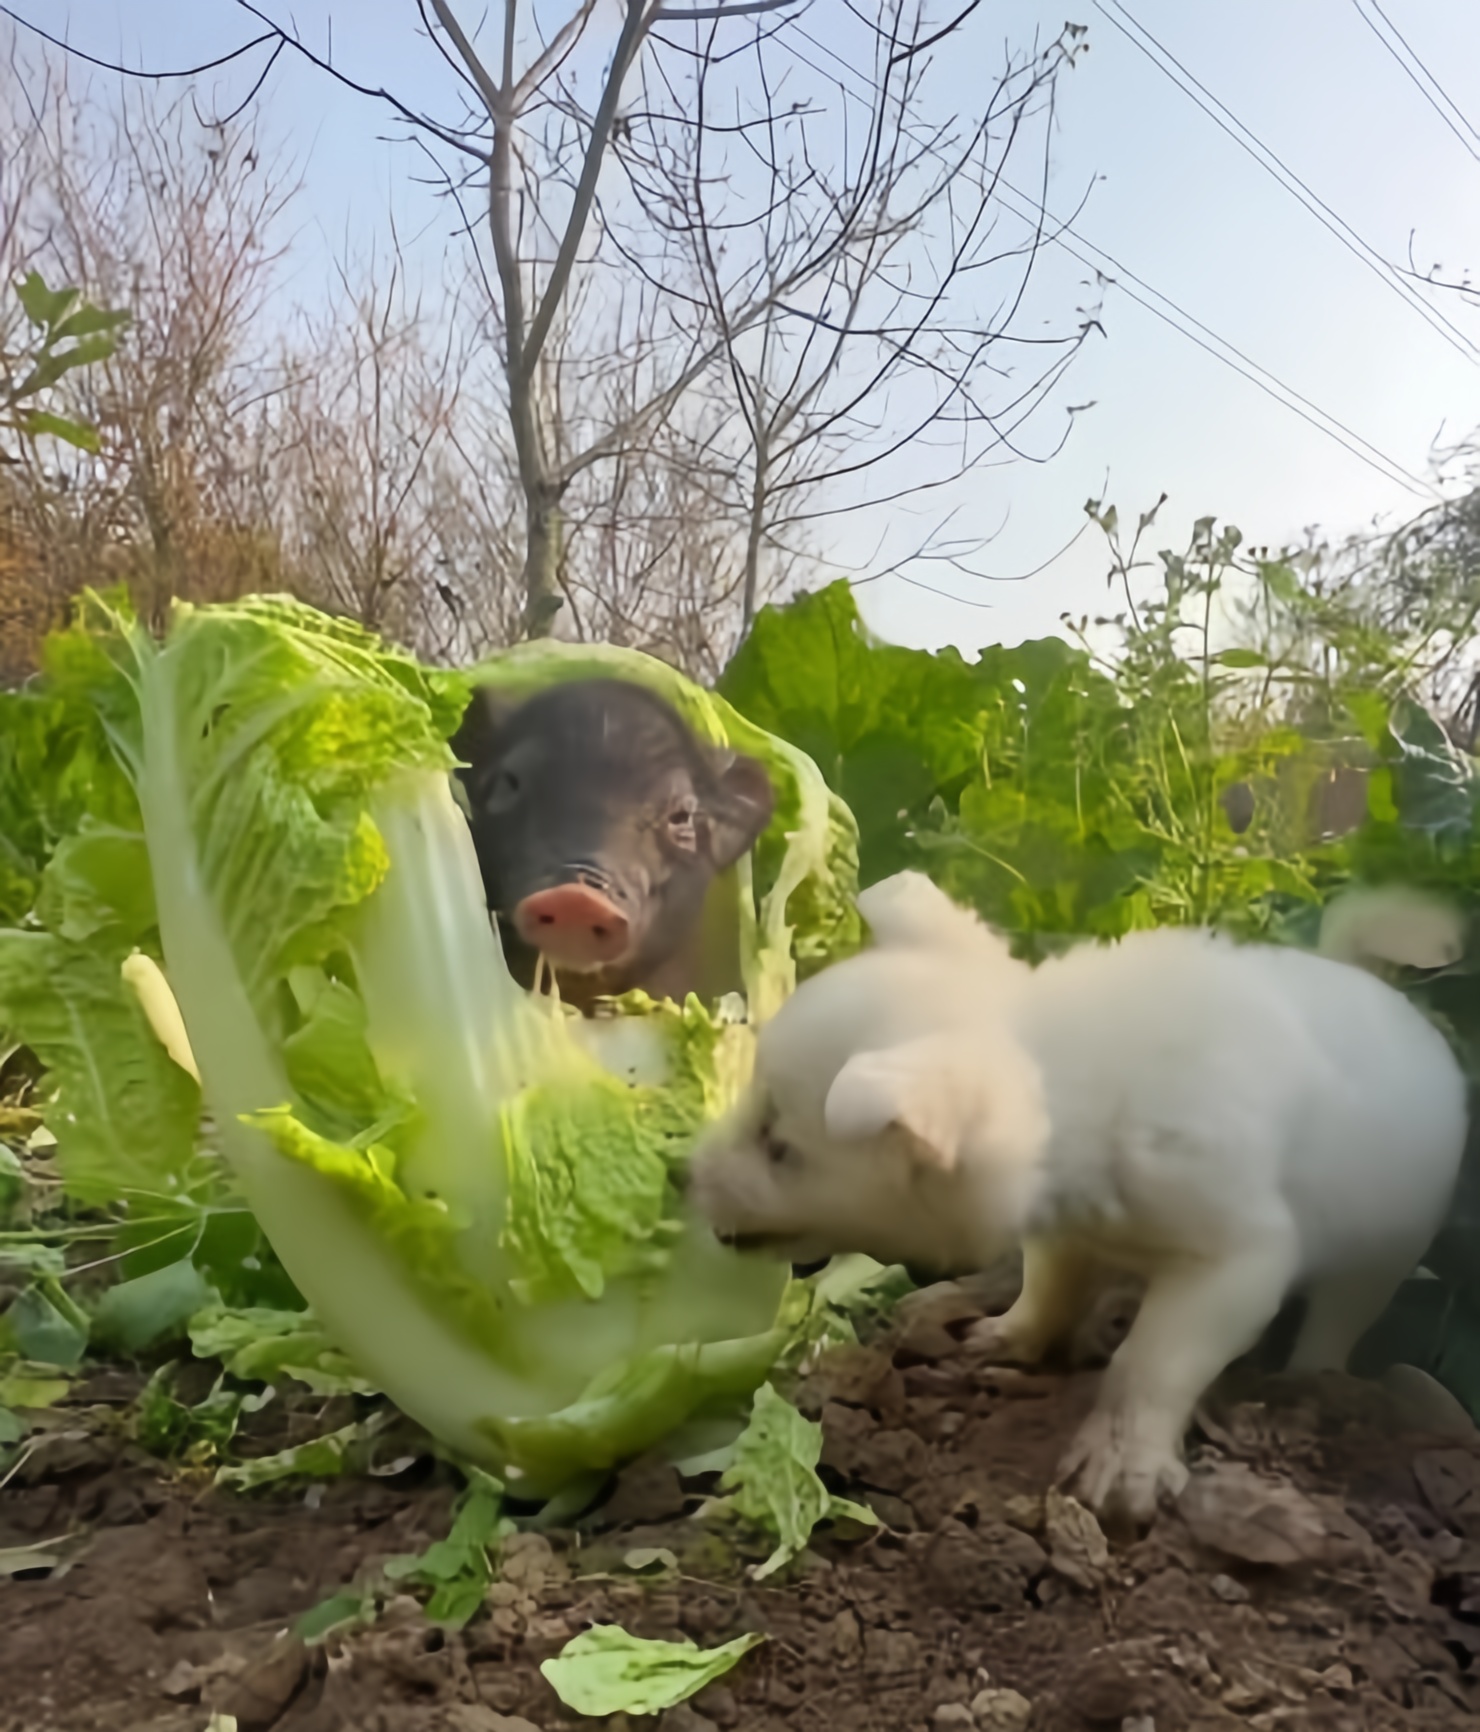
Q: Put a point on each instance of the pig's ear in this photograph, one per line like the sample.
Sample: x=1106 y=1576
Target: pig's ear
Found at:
x=486 y=713
x=740 y=808
x=903 y=1088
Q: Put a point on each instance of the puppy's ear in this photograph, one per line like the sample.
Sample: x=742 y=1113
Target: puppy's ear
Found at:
x=907 y=1088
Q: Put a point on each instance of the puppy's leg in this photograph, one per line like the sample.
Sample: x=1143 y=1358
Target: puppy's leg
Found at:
x=1196 y=1318
x=1342 y=1308
x=1058 y=1282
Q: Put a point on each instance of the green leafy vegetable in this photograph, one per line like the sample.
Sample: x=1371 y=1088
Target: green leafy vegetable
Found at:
x=606 y=1671
x=169 y=1427
x=329 y=1457
x=261 y=973
x=773 y=1482
x=341 y=1611
x=457 y=1569
x=135 y=1314
x=257 y=1343
x=47 y=1327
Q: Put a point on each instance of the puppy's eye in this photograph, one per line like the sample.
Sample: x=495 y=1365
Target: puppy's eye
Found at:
x=778 y=1153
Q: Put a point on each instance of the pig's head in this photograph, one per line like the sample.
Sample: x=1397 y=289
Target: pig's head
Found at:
x=891 y=1113
x=600 y=822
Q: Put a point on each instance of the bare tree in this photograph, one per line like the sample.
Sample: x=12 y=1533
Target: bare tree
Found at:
x=717 y=280
x=134 y=204
x=860 y=281
x=357 y=454
x=540 y=187
x=369 y=412
x=813 y=305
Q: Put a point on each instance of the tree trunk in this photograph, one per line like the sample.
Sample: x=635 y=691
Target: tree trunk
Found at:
x=755 y=530
x=544 y=523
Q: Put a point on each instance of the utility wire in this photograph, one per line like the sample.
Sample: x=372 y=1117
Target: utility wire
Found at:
x=1247 y=368
x=1210 y=342
x=1442 y=103
x=1273 y=165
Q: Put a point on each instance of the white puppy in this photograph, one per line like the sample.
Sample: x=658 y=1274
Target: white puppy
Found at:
x=1230 y=1123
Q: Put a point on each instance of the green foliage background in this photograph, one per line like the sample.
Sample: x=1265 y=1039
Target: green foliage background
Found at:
x=1166 y=765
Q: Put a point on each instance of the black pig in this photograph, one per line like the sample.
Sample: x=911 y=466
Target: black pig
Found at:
x=600 y=823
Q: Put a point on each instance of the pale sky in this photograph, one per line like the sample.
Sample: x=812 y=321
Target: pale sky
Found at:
x=1173 y=199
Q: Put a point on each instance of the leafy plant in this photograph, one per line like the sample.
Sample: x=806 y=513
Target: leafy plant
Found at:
x=261 y=976
x=457 y=1569
x=69 y=332
x=773 y=1484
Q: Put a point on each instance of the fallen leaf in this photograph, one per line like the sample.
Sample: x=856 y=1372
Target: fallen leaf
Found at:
x=649 y=1558
x=56 y=1556
x=605 y=1671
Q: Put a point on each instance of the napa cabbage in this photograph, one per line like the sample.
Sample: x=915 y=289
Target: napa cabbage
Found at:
x=264 y=944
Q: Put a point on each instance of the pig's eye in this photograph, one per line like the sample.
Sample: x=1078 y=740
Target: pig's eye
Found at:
x=504 y=788
x=681 y=823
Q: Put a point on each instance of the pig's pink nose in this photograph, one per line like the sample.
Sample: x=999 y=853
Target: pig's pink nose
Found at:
x=574 y=925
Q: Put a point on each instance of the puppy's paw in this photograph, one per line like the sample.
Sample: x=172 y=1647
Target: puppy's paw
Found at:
x=1004 y=1340
x=1117 y=1465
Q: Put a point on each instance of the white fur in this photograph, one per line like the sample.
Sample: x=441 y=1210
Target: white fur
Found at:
x=908 y=911
x=1392 y=925
x=1231 y=1123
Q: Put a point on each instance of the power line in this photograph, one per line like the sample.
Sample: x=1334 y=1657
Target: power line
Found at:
x=1270 y=383
x=1280 y=171
x=1442 y=103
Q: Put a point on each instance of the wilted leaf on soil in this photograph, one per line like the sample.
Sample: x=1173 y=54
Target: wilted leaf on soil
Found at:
x=327 y=1457
x=773 y=1480
x=55 y=1556
x=606 y=1671
x=649 y=1558
x=21 y=1389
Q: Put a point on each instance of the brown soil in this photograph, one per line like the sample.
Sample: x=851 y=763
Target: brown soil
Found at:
x=1323 y=1570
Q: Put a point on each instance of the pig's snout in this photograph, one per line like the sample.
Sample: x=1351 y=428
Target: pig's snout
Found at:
x=574 y=926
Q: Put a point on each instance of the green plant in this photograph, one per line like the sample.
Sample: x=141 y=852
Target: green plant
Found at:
x=261 y=976
x=68 y=332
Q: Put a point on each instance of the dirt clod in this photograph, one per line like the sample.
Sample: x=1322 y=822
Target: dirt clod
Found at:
x=1001 y=1711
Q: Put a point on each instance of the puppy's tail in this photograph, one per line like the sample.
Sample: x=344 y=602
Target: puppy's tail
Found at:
x=908 y=912
x=1392 y=925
